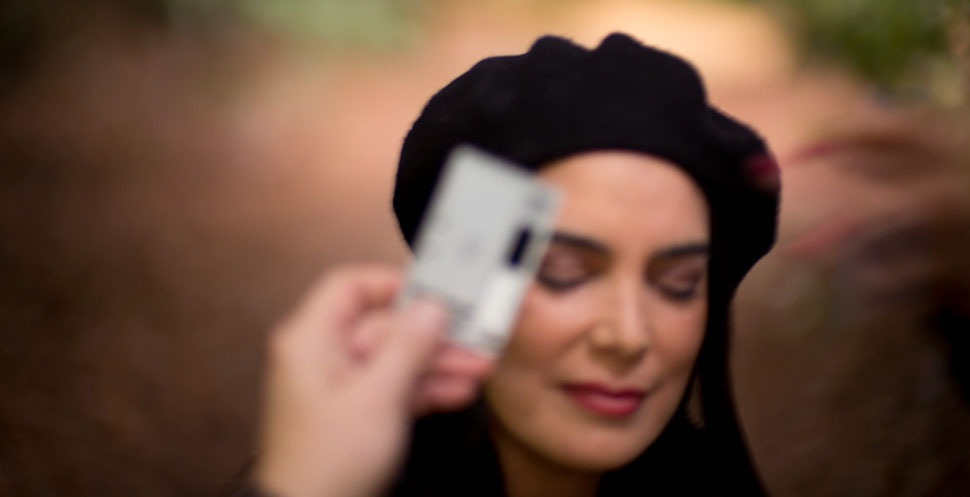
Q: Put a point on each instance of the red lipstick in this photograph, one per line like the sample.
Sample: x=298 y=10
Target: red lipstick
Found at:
x=603 y=400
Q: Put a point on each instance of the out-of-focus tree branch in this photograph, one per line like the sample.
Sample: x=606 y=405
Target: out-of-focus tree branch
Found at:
x=904 y=47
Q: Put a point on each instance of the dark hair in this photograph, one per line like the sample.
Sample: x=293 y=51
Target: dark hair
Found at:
x=559 y=99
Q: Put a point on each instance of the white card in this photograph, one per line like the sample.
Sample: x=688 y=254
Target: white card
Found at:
x=482 y=239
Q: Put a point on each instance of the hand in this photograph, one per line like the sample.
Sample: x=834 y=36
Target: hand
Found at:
x=345 y=374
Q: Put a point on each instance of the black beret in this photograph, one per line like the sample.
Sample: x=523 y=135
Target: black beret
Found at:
x=559 y=99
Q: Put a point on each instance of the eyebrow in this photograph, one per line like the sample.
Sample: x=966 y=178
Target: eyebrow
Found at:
x=684 y=250
x=675 y=251
x=581 y=242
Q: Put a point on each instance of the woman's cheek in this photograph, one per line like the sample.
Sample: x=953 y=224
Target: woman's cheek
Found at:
x=549 y=323
x=548 y=327
x=678 y=333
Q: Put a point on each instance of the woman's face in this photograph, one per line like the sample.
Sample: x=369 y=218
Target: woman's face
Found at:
x=609 y=332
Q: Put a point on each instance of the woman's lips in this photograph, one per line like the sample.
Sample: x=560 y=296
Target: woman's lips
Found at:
x=603 y=400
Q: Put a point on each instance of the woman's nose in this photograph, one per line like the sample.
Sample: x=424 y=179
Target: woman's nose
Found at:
x=623 y=328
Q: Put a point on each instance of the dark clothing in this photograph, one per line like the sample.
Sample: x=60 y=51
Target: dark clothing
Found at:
x=452 y=455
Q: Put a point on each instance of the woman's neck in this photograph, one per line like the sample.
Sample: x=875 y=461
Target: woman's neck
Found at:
x=528 y=474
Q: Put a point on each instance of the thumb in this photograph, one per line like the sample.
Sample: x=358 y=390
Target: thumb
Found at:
x=412 y=338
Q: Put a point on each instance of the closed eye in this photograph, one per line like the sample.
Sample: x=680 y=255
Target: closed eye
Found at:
x=570 y=261
x=561 y=270
x=680 y=284
x=679 y=272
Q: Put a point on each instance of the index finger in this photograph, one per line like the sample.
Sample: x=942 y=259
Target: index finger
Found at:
x=339 y=299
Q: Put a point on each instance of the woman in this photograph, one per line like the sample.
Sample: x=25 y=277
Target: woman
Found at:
x=615 y=380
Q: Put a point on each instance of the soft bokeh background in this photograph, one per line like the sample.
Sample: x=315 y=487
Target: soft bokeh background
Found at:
x=173 y=173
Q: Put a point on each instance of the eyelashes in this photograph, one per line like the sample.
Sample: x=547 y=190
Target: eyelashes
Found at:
x=678 y=284
x=558 y=285
x=560 y=273
x=682 y=292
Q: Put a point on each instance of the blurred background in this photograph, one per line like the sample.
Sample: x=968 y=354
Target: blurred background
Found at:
x=173 y=174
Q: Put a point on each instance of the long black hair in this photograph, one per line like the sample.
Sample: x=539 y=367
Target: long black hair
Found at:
x=701 y=452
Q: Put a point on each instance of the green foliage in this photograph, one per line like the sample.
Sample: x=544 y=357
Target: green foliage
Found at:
x=327 y=23
x=879 y=38
x=892 y=43
x=375 y=23
x=889 y=42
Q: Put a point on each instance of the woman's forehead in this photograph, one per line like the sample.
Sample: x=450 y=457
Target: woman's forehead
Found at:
x=627 y=194
x=612 y=169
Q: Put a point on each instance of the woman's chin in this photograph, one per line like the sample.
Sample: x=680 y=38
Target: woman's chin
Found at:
x=598 y=455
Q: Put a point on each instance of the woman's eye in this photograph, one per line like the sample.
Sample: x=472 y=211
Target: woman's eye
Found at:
x=680 y=285
x=562 y=272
